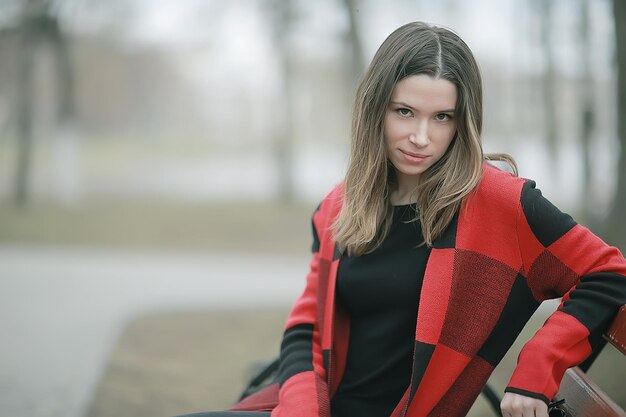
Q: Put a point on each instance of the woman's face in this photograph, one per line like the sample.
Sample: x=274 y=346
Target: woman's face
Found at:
x=419 y=125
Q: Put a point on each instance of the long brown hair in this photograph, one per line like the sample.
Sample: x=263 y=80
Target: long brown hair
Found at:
x=415 y=48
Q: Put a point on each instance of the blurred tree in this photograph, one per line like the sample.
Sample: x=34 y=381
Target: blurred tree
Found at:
x=282 y=15
x=357 y=61
x=544 y=10
x=37 y=25
x=585 y=89
x=616 y=223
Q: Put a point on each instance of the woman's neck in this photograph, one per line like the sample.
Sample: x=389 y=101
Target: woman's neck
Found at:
x=403 y=191
x=400 y=197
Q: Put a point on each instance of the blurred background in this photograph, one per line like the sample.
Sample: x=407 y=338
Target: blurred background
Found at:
x=160 y=160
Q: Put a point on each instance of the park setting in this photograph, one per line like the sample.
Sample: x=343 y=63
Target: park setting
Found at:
x=160 y=164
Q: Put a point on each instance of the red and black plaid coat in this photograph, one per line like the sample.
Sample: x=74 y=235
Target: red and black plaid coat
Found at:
x=505 y=252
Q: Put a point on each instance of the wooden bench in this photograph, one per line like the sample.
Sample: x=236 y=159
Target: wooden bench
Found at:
x=583 y=398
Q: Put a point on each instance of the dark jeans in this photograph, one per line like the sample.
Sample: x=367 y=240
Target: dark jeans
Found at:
x=229 y=414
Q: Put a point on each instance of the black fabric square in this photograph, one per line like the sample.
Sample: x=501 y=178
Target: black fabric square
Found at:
x=336 y=253
x=546 y=221
x=595 y=300
x=447 y=239
x=326 y=359
x=422 y=355
x=296 y=351
x=520 y=305
x=315 y=247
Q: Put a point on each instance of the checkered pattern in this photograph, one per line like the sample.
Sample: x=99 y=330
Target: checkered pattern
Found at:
x=506 y=251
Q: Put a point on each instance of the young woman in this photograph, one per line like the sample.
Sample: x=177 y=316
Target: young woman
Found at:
x=428 y=261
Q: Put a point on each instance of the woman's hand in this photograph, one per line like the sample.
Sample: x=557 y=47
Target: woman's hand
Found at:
x=516 y=405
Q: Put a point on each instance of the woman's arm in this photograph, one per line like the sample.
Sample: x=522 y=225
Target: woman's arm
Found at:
x=302 y=376
x=563 y=259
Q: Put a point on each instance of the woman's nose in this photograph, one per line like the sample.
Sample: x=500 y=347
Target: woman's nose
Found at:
x=419 y=136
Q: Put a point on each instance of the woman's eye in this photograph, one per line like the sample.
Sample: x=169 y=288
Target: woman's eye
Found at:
x=442 y=117
x=404 y=112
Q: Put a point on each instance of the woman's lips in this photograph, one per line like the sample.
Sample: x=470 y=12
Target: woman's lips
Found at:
x=414 y=158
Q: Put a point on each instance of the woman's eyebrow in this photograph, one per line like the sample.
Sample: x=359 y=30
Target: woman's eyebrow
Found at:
x=403 y=104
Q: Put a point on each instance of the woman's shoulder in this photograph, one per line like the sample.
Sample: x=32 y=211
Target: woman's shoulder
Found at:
x=333 y=198
x=331 y=204
x=499 y=186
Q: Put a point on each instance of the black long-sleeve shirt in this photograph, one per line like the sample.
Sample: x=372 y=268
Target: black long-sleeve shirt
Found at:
x=380 y=290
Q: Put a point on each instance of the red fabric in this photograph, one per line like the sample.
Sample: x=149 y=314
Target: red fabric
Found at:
x=586 y=253
x=322 y=294
x=490 y=208
x=443 y=370
x=328 y=304
x=561 y=342
x=432 y=309
x=303 y=395
x=265 y=399
x=461 y=395
x=340 y=348
x=527 y=240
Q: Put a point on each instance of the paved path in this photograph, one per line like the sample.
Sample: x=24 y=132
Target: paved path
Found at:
x=61 y=310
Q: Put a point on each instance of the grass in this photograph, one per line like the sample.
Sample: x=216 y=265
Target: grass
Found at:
x=244 y=226
x=179 y=362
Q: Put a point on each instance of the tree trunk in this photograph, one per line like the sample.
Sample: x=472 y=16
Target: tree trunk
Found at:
x=587 y=117
x=64 y=73
x=26 y=50
x=548 y=87
x=67 y=141
x=616 y=224
x=357 y=62
x=37 y=26
x=283 y=144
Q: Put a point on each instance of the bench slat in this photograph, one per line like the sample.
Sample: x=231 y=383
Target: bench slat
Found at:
x=617 y=331
x=583 y=398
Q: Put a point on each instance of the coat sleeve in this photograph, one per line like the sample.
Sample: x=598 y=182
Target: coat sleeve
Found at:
x=302 y=377
x=563 y=259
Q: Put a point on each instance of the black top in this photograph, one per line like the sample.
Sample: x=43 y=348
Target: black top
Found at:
x=380 y=290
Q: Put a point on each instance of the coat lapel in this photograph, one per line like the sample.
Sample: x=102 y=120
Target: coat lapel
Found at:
x=435 y=367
